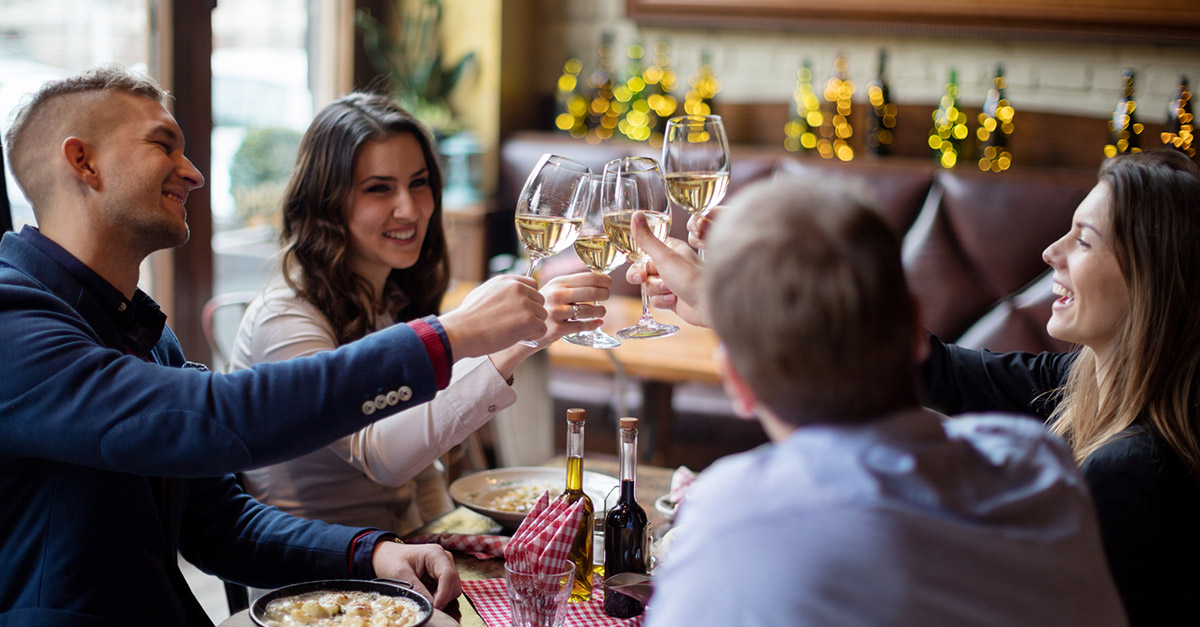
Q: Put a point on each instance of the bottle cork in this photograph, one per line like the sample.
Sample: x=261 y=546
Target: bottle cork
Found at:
x=576 y=414
x=629 y=423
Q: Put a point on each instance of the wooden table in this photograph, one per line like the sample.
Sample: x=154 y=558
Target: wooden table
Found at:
x=659 y=363
x=652 y=482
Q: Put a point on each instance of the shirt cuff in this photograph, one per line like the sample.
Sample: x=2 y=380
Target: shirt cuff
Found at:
x=437 y=346
x=362 y=552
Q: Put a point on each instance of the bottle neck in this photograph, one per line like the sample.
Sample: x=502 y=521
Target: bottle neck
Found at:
x=574 y=455
x=628 y=454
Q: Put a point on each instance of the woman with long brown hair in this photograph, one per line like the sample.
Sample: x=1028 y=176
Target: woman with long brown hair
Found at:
x=1128 y=401
x=364 y=248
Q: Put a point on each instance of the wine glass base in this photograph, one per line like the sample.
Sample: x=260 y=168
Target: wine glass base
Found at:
x=529 y=343
x=594 y=339
x=643 y=331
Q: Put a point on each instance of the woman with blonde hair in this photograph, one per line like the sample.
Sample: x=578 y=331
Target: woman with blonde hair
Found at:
x=364 y=248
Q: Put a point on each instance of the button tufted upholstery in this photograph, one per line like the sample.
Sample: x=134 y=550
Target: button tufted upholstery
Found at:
x=973 y=240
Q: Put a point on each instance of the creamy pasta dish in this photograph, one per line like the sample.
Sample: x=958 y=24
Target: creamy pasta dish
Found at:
x=520 y=499
x=342 y=609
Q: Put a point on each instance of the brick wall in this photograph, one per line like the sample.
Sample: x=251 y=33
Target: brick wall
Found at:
x=760 y=66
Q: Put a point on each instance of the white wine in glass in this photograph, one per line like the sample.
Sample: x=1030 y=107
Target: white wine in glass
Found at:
x=631 y=185
x=696 y=161
x=599 y=254
x=550 y=209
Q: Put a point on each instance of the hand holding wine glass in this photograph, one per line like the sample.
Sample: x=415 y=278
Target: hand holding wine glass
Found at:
x=550 y=209
x=599 y=254
x=630 y=185
x=696 y=161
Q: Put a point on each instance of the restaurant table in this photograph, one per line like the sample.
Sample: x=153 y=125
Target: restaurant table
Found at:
x=659 y=363
x=652 y=482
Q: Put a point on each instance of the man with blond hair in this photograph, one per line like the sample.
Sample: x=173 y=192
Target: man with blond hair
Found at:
x=113 y=448
x=865 y=509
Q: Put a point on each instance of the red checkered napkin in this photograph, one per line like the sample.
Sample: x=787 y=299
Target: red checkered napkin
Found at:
x=544 y=539
x=476 y=545
x=491 y=601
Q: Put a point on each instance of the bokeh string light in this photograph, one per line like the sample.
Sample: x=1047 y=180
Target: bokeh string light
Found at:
x=995 y=127
x=949 y=126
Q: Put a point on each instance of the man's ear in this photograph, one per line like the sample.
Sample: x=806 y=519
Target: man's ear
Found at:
x=744 y=401
x=80 y=160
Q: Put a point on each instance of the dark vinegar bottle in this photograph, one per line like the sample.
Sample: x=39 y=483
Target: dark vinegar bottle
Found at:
x=626 y=529
x=581 y=549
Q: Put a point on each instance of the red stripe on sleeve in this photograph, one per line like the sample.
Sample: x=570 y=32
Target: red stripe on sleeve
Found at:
x=437 y=352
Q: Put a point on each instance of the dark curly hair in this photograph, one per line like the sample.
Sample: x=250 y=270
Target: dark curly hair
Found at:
x=315 y=234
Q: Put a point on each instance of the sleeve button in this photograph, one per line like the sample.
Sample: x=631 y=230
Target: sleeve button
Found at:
x=393 y=397
x=380 y=402
x=368 y=408
x=492 y=409
x=405 y=392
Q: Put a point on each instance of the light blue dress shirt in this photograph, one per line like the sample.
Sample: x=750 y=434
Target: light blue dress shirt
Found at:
x=908 y=520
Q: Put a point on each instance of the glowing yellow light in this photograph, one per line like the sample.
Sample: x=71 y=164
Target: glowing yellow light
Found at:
x=574 y=66
x=949 y=159
x=566 y=82
x=808 y=140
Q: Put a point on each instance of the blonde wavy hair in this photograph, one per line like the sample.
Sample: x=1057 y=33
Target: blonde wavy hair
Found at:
x=1155 y=379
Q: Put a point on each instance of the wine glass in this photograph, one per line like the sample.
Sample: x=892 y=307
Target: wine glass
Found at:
x=636 y=184
x=696 y=161
x=599 y=254
x=550 y=209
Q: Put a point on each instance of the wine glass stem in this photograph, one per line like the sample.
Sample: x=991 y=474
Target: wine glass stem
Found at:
x=646 y=317
x=533 y=261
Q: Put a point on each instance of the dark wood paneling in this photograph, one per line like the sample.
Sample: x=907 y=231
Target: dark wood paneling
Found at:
x=1147 y=21
x=191 y=72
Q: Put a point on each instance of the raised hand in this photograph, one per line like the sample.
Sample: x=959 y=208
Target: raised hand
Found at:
x=572 y=303
x=698 y=226
x=499 y=313
x=672 y=275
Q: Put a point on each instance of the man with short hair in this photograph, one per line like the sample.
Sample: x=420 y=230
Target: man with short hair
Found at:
x=111 y=446
x=865 y=509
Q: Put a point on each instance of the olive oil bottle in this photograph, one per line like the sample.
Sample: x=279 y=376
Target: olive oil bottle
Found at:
x=581 y=550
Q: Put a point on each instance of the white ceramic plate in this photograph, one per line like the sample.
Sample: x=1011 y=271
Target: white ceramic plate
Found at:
x=478 y=490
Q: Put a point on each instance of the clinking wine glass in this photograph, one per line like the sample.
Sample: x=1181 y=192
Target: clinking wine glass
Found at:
x=696 y=161
x=550 y=209
x=630 y=185
x=599 y=254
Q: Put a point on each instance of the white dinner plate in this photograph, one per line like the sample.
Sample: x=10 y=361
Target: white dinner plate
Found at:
x=477 y=490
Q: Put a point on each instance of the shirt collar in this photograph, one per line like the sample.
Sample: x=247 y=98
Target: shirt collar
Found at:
x=139 y=320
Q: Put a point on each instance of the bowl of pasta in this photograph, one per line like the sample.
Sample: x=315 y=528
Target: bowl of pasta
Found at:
x=342 y=603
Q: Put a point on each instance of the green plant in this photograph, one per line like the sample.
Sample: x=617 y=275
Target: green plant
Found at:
x=413 y=63
x=260 y=170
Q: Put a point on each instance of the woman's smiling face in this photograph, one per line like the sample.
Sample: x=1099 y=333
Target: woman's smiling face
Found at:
x=389 y=207
x=1093 y=294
